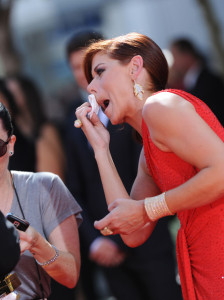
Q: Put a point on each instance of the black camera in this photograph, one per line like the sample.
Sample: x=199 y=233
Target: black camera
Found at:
x=19 y=223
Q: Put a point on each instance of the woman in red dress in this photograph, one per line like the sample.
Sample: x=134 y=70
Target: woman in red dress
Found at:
x=181 y=167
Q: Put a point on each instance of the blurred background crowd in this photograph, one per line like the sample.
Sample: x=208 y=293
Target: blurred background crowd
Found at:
x=37 y=70
x=33 y=34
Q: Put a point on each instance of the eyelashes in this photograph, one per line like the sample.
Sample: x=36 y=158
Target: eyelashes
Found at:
x=99 y=71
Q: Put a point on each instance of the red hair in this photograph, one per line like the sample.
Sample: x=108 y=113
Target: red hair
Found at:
x=123 y=48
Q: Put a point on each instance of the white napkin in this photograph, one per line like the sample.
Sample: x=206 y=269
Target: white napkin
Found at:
x=95 y=106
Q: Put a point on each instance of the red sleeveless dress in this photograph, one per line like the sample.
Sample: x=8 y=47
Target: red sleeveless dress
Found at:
x=200 y=239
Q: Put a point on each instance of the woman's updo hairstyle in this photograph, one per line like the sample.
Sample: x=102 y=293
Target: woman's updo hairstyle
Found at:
x=123 y=48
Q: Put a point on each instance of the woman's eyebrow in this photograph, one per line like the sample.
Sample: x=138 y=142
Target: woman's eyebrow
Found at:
x=95 y=69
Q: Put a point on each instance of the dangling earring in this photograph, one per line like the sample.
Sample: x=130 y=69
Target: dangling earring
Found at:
x=10 y=153
x=138 y=91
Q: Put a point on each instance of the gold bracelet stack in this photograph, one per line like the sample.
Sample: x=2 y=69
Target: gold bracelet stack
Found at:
x=156 y=207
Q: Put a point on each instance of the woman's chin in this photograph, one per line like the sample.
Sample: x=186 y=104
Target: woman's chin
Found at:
x=115 y=121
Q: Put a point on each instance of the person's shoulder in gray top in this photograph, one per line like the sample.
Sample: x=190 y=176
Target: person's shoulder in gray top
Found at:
x=46 y=203
x=44 y=193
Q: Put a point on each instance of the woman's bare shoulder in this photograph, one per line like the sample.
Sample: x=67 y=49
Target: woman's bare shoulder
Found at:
x=167 y=99
x=166 y=103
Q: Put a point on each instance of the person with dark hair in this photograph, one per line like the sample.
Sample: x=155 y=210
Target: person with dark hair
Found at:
x=50 y=245
x=7 y=98
x=181 y=166
x=75 y=48
x=38 y=137
x=191 y=73
x=9 y=236
x=130 y=273
x=81 y=39
x=25 y=146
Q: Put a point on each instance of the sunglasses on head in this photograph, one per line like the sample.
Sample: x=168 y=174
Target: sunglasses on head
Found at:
x=3 y=146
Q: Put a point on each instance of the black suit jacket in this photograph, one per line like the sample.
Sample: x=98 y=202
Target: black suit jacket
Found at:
x=209 y=87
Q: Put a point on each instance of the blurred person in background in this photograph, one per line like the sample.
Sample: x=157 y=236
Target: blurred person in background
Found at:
x=131 y=274
x=39 y=146
x=50 y=245
x=190 y=72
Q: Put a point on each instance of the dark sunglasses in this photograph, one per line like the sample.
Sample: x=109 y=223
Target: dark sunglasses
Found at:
x=3 y=146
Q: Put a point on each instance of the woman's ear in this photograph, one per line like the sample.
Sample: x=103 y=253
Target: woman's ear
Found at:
x=12 y=143
x=136 y=65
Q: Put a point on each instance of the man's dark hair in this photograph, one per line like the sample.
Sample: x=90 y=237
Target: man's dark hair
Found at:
x=81 y=39
x=184 y=45
x=9 y=98
x=6 y=120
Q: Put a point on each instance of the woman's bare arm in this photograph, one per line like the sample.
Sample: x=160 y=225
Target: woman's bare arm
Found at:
x=127 y=217
x=182 y=131
x=65 y=269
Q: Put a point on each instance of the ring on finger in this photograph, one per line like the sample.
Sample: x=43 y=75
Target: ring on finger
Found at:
x=78 y=123
x=106 y=231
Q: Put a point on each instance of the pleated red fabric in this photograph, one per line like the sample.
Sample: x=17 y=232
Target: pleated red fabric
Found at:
x=200 y=239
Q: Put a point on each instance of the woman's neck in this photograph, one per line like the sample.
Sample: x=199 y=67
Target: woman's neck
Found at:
x=6 y=192
x=136 y=121
x=135 y=118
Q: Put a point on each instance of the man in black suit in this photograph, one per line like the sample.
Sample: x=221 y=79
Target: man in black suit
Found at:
x=146 y=272
x=194 y=76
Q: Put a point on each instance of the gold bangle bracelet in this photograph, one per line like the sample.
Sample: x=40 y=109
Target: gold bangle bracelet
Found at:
x=156 y=207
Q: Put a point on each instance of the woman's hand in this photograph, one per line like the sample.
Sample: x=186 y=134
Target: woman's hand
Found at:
x=28 y=239
x=94 y=130
x=125 y=217
x=106 y=252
